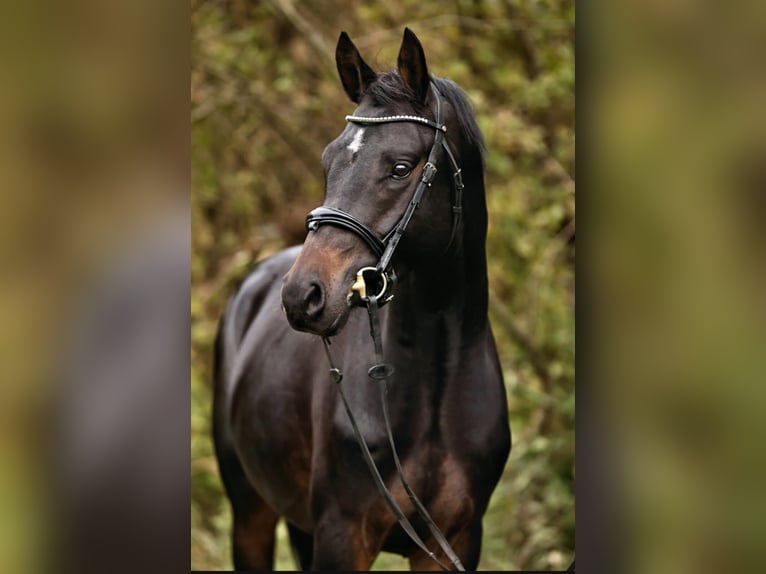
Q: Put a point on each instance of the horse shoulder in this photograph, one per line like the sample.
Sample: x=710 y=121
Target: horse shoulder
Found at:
x=475 y=415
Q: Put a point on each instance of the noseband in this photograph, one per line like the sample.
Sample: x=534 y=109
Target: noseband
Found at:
x=384 y=248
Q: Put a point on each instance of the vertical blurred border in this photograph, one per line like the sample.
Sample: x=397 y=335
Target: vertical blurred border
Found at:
x=672 y=110
x=94 y=293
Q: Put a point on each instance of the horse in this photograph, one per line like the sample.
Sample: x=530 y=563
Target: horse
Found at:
x=284 y=443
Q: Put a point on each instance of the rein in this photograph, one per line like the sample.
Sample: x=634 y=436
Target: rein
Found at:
x=374 y=288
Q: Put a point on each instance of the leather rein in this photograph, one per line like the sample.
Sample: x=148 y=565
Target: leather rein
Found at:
x=374 y=287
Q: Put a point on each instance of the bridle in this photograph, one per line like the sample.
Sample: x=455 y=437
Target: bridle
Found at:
x=382 y=277
x=374 y=286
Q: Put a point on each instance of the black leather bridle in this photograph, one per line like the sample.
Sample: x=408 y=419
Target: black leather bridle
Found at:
x=381 y=277
x=374 y=285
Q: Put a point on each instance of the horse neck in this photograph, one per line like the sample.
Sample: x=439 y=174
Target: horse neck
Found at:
x=453 y=288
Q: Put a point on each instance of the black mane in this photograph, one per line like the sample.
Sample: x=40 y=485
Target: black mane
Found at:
x=390 y=90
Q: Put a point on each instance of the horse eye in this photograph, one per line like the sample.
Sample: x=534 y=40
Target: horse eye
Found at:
x=400 y=171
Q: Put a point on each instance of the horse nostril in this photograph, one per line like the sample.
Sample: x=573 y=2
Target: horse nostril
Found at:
x=314 y=299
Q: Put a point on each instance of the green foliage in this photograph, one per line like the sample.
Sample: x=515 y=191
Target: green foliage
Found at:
x=265 y=102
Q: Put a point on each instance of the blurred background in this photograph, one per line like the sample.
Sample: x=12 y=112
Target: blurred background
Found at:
x=266 y=100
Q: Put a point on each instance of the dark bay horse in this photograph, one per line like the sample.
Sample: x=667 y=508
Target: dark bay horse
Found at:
x=284 y=442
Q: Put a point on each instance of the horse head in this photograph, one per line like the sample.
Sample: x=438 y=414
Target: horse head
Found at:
x=373 y=171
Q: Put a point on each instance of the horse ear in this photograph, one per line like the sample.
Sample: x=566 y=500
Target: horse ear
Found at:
x=354 y=72
x=412 y=65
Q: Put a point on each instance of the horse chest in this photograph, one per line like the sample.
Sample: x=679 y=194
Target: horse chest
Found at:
x=428 y=465
x=443 y=487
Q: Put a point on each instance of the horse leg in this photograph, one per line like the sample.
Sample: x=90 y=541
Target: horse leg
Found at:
x=339 y=545
x=253 y=536
x=466 y=543
x=302 y=545
x=254 y=524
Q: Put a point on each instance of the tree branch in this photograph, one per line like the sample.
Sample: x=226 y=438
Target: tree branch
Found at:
x=534 y=356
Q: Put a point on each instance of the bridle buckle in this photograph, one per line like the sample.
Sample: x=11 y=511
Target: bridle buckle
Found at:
x=458 y=177
x=429 y=171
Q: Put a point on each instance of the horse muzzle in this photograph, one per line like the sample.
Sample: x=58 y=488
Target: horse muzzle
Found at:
x=316 y=290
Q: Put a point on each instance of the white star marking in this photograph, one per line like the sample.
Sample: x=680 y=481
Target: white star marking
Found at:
x=356 y=143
